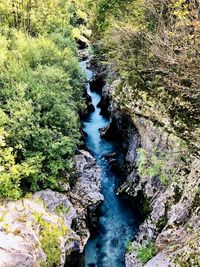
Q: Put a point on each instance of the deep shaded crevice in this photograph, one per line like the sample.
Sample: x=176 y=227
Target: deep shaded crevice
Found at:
x=75 y=259
x=104 y=106
x=97 y=83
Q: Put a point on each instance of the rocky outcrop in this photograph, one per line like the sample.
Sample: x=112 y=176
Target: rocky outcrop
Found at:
x=45 y=229
x=28 y=228
x=170 y=205
x=89 y=106
x=85 y=195
x=164 y=180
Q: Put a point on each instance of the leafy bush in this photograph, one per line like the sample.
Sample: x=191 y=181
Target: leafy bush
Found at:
x=149 y=45
x=129 y=247
x=146 y=252
x=40 y=95
x=12 y=173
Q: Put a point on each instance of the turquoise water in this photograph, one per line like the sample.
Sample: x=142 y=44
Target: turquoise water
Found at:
x=117 y=219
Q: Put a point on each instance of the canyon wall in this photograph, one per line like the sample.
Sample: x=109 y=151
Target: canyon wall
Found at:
x=163 y=182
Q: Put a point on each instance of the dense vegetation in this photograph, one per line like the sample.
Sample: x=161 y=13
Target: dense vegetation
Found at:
x=153 y=46
x=40 y=93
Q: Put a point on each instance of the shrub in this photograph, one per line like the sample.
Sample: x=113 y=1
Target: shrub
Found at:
x=146 y=252
x=40 y=95
x=143 y=39
x=129 y=247
x=50 y=238
x=61 y=209
x=12 y=173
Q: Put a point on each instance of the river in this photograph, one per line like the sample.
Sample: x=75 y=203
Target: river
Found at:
x=117 y=218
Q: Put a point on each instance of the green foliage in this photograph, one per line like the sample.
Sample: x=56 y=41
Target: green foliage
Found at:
x=180 y=9
x=162 y=223
x=188 y=255
x=144 y=39
x=146 y=252
x=50 y=235
x=11 y=173
x=196 y=201
x=129 y=247
x=35 y=16
x=40 y=95
x=142 y=162
x=61 y=209
x=164 y=165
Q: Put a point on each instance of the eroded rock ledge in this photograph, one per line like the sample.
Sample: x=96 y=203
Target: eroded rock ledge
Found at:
x=37 y=230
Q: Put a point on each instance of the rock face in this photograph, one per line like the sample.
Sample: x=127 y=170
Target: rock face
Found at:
x=168 y=199
x=85 y=195
x=37 y=230
x=24 y=225
x=172 y=207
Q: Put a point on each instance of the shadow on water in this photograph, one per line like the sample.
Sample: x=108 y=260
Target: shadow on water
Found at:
x=117 y=219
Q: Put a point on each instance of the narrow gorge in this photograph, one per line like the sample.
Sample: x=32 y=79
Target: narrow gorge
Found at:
x=100 y=133
x=118 y=221
x=164 y=238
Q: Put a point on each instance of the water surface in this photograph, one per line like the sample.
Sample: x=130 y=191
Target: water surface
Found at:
x=117 y=221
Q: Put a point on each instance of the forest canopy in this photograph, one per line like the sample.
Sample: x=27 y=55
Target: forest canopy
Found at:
x=40 y=94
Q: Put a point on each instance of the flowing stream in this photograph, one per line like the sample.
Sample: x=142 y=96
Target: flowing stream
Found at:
x=117 y=219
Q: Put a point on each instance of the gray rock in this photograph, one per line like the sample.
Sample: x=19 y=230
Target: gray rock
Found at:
x=160 y=260
x=20 y=224
x=86 y=192
x=173 y=220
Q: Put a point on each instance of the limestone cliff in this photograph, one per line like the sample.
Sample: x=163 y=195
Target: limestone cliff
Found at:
x=164 y=182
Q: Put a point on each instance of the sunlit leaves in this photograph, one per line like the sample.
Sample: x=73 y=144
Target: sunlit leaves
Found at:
x=11 y=173
x=40 y=96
